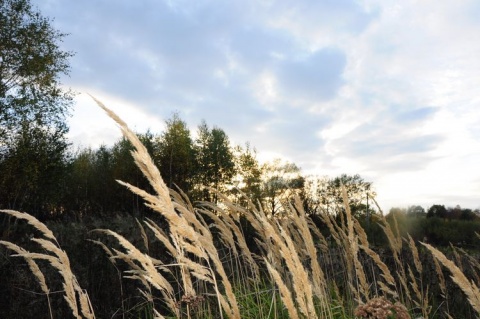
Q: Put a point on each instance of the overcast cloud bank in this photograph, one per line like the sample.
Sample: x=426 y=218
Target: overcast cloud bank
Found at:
x=385 y=89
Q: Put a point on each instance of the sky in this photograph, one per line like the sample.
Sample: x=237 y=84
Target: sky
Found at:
x=381 y=88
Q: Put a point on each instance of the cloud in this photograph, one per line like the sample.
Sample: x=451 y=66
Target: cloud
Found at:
x=377 y=87
x=315 y=77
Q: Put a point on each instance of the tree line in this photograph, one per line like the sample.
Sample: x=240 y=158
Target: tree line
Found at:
x=47 y=180
x=41 y=174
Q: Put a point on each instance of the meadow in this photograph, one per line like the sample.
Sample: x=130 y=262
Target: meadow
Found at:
x=226 y=260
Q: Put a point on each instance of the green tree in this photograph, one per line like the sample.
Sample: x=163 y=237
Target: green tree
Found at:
x=80 y=183
x=103 y=185
x=174 y=154
x=416 y=211
x=328 y=194
x=437 y=211
x=216 y=165
x=33 y=108
x=123 y=168
x=279 y=180
x=31 y=63
x=248 y=173
x=468 y=214
x=92 y=186
x=33 y=170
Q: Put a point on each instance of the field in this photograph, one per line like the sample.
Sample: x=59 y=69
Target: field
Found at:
x=225 y=260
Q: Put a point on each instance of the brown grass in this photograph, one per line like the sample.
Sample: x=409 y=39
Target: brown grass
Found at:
x=211 y=257
x=470 y=289
x=76 y=298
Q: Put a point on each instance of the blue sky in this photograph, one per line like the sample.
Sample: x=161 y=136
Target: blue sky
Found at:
x=386 y=89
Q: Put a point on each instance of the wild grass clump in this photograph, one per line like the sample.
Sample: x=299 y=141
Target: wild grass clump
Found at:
x=211 y=269
x=76 y=298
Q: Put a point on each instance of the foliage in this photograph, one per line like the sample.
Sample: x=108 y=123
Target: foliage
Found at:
x=174 y=154
x=279 y=179
x=33 y=107
x=247 y=180
x=31 y=63
x=215 y=161
x=325 y=194
x=33 y=170
x=436 y=230
x=437 y=211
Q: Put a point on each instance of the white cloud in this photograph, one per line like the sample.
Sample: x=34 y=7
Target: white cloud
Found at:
x=90 y=125
x=382 y=88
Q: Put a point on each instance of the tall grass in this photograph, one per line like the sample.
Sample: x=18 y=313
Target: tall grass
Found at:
x=211 y=269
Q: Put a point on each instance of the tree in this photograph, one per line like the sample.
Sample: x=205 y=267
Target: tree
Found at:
x=81 y=183
x=437 y=211
x=216 y=166
x=123 y=168
x=175 y=155
x=33 y=107
x=416 y=211
x=328 y=194
x=33 y=170
x=468 y=214
x=279 y=180
x=248 y=173
x=31 y=62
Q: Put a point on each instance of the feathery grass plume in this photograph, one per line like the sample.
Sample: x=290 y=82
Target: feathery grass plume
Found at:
x=59 y=260
x=474 y=264
x=402 y=278
x=142 y=268
x=387 y=290
x=242 y=244
x=414 y=285
x=316 y=232
x=392 y=239
x=230 y=230
x=417 y=284
x=386 y=274
x=441 y=277
x=398 y=235
x=161 y=236
x=469 y=288
x=142 y=233
x=350 y=223
x=188 y=233
x=299 y=219
x=31 y=264
x=263 y=242
x=327 y=219
x=361 y=234
x=304 y=289
x=416 y=258
x=395 y=243
x=31 y=221
x=299 y=276
x=285 y=293
x=226 y=235
x=143 y=160
x=353 y=245
x=33 y=268
x=457 y=256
